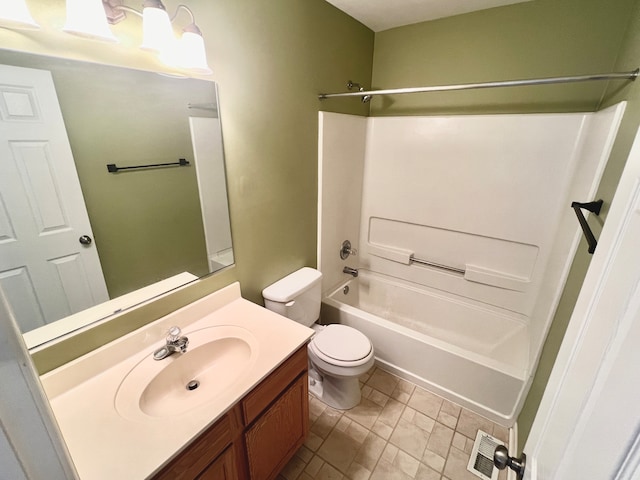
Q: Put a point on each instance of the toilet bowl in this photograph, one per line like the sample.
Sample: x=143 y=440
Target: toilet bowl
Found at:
x=338 y=354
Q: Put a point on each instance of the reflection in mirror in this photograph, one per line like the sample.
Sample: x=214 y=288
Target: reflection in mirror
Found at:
x=74 y=235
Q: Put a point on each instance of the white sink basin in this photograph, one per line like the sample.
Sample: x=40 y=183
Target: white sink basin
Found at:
x=217 y=357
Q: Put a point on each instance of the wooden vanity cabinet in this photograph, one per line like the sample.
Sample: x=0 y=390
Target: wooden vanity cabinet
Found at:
x=276 y=414
x=257 y=437
x=213 y=451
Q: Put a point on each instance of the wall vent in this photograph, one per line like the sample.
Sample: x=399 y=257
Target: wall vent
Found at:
x=481 y=461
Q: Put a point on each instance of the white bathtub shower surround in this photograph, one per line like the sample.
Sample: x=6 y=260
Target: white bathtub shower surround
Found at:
x=487 y=191
x=473 y=327
x=341 y=145
x=483 y=191
x=470 y=353
x=488 y=195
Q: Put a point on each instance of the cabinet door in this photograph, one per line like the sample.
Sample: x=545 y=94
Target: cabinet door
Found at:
x=223 y=468
x=272 y=387
x=197 y=456
x=279 y=432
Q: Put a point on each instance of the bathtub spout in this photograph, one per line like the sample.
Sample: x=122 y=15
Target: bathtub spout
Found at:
x=350 y=271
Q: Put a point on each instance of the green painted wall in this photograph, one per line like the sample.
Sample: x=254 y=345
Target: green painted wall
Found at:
x=270 y=60
x=542 y=38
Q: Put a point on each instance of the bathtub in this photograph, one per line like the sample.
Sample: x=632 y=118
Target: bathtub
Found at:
x=470 y=353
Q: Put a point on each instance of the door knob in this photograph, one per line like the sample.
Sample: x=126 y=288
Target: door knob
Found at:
x=85 y=240
x=502 y=460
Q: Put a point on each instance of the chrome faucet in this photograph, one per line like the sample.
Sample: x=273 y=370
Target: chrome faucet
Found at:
x=175 y=343
x=350 y=271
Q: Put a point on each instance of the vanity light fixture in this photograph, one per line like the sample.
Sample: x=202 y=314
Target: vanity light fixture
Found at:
x=188 y=52
x=15 y=14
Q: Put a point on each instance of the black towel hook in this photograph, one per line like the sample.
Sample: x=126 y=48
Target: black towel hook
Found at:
x=593 y=207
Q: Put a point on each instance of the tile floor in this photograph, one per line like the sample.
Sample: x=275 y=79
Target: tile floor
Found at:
x=398 y=432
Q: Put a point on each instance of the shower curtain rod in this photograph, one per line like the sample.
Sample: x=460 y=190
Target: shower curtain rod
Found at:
x=632 y=75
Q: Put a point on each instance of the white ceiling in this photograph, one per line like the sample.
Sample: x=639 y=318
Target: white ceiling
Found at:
x=381 y=15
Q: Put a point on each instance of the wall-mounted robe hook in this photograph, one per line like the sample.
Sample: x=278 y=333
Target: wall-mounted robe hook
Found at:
x=593 y=207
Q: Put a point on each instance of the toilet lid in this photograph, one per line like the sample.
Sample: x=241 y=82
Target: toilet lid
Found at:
x=341 y=342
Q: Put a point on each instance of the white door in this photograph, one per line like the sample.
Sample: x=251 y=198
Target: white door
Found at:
x=31 y=445
x=588 y=423
x=45 y=271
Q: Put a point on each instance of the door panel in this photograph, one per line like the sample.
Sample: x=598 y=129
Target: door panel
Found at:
x=18 y=103
x=42 y=211
x=16 y=283
x=39 y=185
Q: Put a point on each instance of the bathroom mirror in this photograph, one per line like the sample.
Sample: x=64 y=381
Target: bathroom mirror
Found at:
x=145 y=224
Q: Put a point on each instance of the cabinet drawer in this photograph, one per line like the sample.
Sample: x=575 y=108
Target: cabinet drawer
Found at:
x=200 y=453
x=265 y=393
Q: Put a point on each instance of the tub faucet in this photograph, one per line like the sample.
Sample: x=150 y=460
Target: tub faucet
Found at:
x=175 y=343
x=350 y=271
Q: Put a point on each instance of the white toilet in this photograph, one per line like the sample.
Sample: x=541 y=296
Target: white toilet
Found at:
x=338 y=354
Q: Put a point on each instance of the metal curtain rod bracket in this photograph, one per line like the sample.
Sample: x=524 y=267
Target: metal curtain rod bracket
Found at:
x=365 y=98
x=632 y=75
x=593 y=207
x=113 y=168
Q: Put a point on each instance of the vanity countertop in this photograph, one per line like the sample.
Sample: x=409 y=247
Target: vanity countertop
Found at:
x=106 y=442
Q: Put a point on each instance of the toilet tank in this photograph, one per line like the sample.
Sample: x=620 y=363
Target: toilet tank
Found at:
x=296 y=296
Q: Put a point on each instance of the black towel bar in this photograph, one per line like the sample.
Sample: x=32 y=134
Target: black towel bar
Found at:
x=593 y=207
x=113 y=168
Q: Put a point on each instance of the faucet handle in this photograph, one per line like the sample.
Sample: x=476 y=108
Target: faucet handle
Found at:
x=346 y=250
x=173 y=334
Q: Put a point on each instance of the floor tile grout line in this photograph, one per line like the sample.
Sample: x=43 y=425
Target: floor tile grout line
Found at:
x=381 y=396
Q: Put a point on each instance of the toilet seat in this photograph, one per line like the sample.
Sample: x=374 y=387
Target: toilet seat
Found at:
x=341 y=345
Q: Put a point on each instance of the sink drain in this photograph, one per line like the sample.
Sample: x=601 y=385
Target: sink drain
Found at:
x=193 y=384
